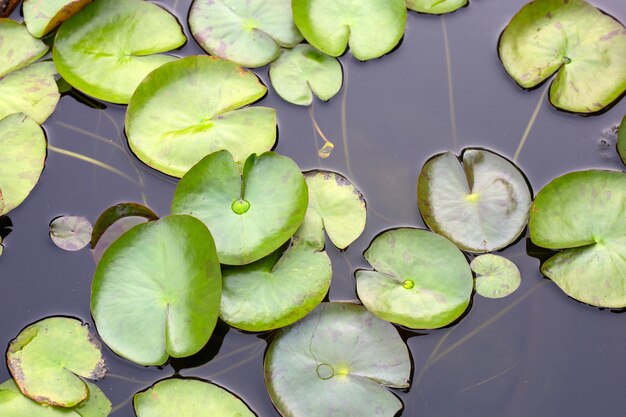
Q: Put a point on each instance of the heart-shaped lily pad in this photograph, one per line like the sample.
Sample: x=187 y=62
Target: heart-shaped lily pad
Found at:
x=303 y=71
x=583 y=46
x=435 y=6
x=250 y=215
x=107 y=48
x=156 y=291
x=249 y=32
x=43 y=16
x=584 y=214
x=420 y=279
x=22 y=156
x=48 y=358
x=187 y=109
x=480 y=203
x=496 y=276
x=337 y=362
x=70 y=233
x=371 y=27
x=189 y=397
x=621 y=140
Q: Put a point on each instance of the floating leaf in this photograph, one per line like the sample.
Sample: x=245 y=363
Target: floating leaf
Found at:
x=480 y=204
x=583 y=46
x=496 y=276
x=420 y=279
x=156 y=291
x=48 y=358
x=435 y=6
x=371 y=27
x=337 y=362
x=43 y=16
x=249 y=32
x=18 y=48
x=107 y=48
x=250 y=216
x=113 y=214
x=621 y=140
x=71 y=233
x=187 y=109
x=584 y=214
x=114 y=231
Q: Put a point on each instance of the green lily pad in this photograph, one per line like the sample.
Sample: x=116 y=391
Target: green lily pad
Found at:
x=621 y=141
x=303 y=71
x=22 y=157
x=420 y=279
x=436 y=6
x=480 y=203
x=189 y=397
x=371 y=27
x=249 y=32
x=70 y=233
x=156 y=291
x=18 y=48
x=496 y=276
x=48 y=358
x=188 y=109
x=107 y=48
x=337 y=362
x=583 y=46
x=583 y=214
x=43 y=16
x=250 y=215
x=115 y=213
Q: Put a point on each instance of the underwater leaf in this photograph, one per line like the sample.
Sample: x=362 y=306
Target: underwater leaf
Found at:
x=584 y=47
x=435 y=6
x=115 y=213
x=43 y=16
x=621 y=140
x=17 y=47
x=111 y=234
x=337 y=361
x=188 y=109
x=496 y=276
x=71 y=233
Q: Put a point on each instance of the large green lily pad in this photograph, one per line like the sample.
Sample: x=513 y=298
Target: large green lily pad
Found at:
x=621 y=140
x=107 y=48
x=188 y=109
x=496 y=276
x=480 y=203
x=583 y=46
x=43 y=16
x=420 y=279
x=48 y=358
x=17 y=47
x=337 y=362
x=250 y=215
x=248 y=32
x=156 y=291
x=435 y=6
x=371 y=27
x=583 y=214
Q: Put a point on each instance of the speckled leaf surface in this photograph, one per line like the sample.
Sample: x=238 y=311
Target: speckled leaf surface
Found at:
x=70 y=233
x=435 y=6
x=621 y=140
x=17 y=47
x=43 y=16
x=496 y=276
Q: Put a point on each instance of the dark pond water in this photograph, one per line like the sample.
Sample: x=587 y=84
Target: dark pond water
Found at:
x=535 y=353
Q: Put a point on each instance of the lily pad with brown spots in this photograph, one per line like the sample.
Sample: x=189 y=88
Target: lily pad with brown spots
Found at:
x=43 y=16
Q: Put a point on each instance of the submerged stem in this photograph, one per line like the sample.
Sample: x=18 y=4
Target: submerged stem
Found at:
x=446 y=45
x=325 y=151
x=344 y=123
x=531 y=122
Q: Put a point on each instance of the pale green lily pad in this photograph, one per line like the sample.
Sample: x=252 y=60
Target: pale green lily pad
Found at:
x=43 y=16
x=250 y=215
x=583 y=214
x=372 y=28
x=496 y=276
x=480 y=203
x=71 y=233
x=17 y=47
x=107 y=48
x=248 y=32
x=156 y=291
x=621 y=141
x=303 y=71
x=22 y=157
x=48 y=358
x=420 y=279
x=583 y=46
x=337 y=362
x=436 y=6
x=188 y=109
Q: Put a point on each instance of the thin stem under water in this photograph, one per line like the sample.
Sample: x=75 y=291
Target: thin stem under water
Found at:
x=446 y=45
x=531 y=122
x=344 y=122
x=325 y=151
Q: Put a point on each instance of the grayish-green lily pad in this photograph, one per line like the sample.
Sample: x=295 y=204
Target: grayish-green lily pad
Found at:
x=420 y=279
x=496 y=276
x=248 y=32
x=337 y=362
x=188 y=109
x=107 y=48
x=43 y=16
x=481 y=203
x=48 y=358
x=18 y=48
x=583 y=214
x=70 y=233
x=621 y=140
x=371 y=27
x=113 y=232
x=435 y=6
x=156 y=291
x=583 y=46
x=114 y=214
x=303 y=71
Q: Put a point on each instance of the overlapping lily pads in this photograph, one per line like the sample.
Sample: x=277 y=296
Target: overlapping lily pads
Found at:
x=18 y=48
x=436 y=6
x=496 y=276
x=621 y=140
x=43 y=16
x=70 y=233
x=114 y=214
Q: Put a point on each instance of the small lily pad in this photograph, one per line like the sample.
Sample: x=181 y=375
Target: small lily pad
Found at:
x=496 y=276
x=583 y=46
x=372 y=28
x=107 y=48
x=188 y=109
x=621 y=141
x=18 y=48
x=115 y=213
x=337 y=361
x=583 y=214
x=249 y=32
x=48 y=358
x=480 y=203
x=436 y=6
x=303 y=71
x=70 y=233
x=43 y=16
x=420 y=279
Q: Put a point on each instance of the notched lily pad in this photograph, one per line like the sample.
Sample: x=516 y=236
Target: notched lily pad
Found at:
x=621 y=140
x=70 y=233
x=496 y=276
x=43 y=16
x=114 y=214
x=436 y=6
